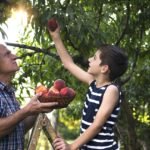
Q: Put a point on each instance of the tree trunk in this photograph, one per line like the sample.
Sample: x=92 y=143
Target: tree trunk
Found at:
x=127 y=129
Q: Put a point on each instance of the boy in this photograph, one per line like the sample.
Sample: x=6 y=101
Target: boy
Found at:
x=103 y=98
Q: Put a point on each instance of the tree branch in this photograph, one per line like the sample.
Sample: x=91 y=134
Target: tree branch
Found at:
x=35 y=49
x=126 y=25
x=133 y=67
x=100 y=10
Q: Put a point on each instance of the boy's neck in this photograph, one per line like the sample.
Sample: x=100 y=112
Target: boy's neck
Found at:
x=100 y=83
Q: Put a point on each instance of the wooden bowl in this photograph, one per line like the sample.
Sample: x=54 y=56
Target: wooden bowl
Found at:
x=63 y=101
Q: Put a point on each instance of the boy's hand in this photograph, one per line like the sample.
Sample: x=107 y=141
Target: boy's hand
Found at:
x=52 y=24
x=60 y=144
x=53 y=28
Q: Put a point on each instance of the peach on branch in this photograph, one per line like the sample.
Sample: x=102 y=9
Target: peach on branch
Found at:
x=52 y=24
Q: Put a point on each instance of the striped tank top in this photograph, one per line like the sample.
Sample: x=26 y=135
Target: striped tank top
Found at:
x=104 y=140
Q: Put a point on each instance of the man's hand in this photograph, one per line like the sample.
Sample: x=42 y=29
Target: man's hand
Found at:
x=35 y=106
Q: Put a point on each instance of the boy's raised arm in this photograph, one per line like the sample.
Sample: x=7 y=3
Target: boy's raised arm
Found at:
x=67 y=59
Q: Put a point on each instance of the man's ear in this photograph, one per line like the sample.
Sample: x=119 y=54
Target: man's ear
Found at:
x=105 y=69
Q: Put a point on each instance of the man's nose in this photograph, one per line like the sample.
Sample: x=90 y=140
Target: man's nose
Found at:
x=14 y=56
x=89 y=59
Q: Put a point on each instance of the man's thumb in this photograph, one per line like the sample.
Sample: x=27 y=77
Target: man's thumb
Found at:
x=35 y=98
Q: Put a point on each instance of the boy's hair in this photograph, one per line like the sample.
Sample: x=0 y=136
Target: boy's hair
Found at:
x=115 y=58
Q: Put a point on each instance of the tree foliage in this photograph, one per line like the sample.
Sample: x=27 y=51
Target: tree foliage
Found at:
x=85 y=24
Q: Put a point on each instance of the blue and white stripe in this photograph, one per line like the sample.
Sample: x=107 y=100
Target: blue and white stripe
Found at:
x=104 y=140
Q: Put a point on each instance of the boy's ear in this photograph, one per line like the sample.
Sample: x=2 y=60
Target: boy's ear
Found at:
x=105 y=69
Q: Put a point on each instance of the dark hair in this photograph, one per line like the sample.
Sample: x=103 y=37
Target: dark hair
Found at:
x=115 y=58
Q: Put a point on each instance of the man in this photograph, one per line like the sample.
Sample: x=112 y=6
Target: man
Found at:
x=14 y=122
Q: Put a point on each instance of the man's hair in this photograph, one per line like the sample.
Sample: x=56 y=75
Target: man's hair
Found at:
x=115 y=58
x=2 y=43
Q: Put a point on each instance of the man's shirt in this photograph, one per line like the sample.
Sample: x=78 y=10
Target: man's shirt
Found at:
x=8 y=106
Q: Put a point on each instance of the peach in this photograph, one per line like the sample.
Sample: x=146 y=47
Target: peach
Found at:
x=64 y=91
x=72 y=92
x=53 y=91
x=44 y=97
x=40 y=89
x=59 y=84
x=52 y=24
x=67 y=92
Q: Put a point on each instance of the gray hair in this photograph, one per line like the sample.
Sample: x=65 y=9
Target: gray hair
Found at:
x=3 y=43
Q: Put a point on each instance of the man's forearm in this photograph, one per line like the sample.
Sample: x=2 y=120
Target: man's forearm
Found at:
x=7 y=124
x=29 y=122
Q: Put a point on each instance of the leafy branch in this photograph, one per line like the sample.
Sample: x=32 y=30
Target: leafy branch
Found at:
x=45 y=51
x=126 y=24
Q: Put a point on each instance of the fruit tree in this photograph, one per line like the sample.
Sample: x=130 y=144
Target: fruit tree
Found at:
x=85 y=25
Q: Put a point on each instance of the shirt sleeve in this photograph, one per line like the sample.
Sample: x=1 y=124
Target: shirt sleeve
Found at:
x=2 y=108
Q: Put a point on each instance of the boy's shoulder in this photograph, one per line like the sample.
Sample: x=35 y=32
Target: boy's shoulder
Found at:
x=112 y=88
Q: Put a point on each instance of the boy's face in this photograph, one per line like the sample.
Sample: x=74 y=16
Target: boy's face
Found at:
x=7 y=61
x=94 y=65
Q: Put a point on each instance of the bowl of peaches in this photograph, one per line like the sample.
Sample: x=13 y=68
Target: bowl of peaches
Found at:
x=58 y=92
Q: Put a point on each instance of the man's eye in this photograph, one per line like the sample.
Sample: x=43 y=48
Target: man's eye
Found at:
x=8 y=53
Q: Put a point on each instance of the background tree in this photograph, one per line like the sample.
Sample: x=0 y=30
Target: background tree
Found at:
x=84 y=26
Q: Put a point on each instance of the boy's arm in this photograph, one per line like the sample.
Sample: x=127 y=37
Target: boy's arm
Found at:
x=67 y=59
x=109 y=102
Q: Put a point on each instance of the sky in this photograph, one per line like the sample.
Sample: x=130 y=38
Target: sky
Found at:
x=15 y=26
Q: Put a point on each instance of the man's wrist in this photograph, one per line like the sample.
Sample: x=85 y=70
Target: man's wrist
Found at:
x=24 y=111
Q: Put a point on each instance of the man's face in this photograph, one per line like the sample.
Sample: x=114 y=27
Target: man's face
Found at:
x=7 y=61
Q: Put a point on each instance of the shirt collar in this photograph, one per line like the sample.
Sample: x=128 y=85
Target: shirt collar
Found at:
x=3 y=86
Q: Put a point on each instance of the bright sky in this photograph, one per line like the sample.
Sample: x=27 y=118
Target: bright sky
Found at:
x=15 y=26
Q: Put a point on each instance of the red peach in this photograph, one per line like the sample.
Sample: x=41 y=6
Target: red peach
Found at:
x=53 y=91
x=65 y=91
x=44 y=97
x=72 y=92
x=52 y=24
x=59 y=84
